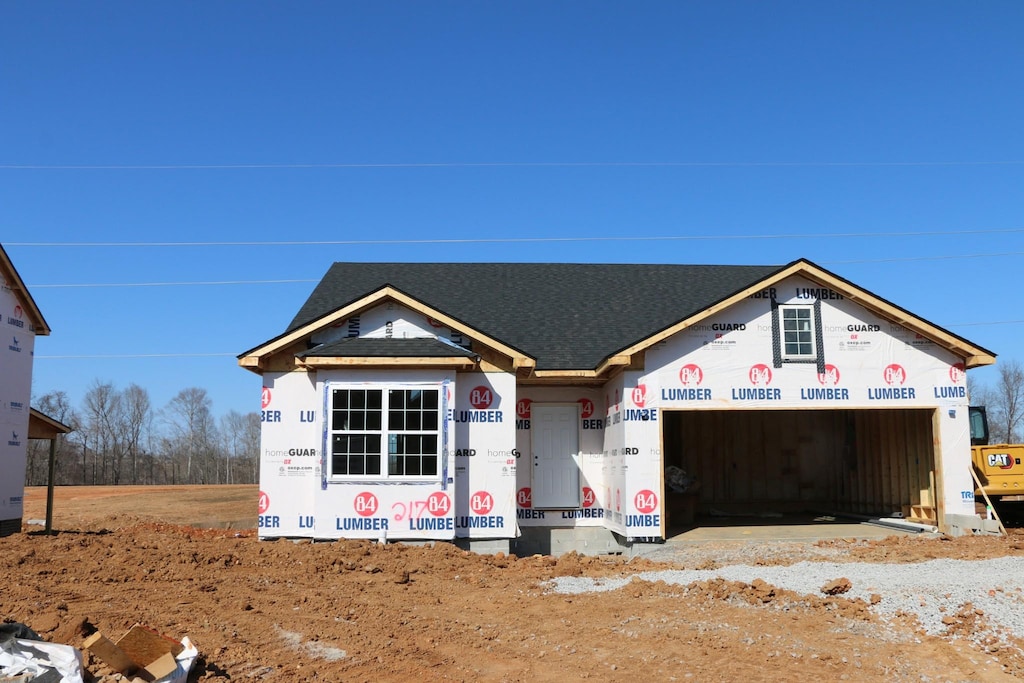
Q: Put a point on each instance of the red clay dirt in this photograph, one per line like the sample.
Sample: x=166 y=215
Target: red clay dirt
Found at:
x=186 y=561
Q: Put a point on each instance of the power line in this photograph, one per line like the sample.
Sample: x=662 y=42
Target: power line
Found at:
x=995 y=322
x=497 y=164
x=139 y=355
x=171 y=284
x=904 y=259
x=522 y=240
x=270 y=282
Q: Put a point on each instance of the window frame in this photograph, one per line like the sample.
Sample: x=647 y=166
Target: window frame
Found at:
x=812 y=341
x=395 y=413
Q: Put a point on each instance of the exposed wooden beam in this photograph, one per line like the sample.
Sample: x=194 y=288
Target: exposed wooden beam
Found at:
x=349 y=361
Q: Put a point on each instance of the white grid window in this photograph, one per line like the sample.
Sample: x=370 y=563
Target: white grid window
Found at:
x=797 y=327
x=384 y=432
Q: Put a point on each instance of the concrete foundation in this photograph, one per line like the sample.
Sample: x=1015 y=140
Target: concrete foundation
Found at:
x=558 y=541
x=9 y=526
x=967 y=525
x=485 y=546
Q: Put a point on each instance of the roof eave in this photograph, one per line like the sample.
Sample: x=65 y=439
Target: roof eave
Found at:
x=17 y=285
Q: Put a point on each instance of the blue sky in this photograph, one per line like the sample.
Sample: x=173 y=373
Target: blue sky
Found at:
x=882 y=141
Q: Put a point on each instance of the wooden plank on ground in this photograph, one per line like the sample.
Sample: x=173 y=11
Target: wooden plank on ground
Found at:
x=109 y=653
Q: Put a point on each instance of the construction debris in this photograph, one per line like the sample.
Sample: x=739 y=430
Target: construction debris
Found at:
x=27 y=659
x=144 y=655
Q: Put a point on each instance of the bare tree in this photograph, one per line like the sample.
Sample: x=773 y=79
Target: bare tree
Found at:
x=104 y=418
x=193 y=434
x=253 y=435
x=137 y=416
x=240 y=443
x=1005 y=403
x=54 y=404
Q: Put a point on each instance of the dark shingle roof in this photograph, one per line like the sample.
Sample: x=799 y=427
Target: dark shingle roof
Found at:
x=565 y=315
x=377 y=347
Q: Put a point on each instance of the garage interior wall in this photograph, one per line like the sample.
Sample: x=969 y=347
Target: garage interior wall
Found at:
x=871 y=462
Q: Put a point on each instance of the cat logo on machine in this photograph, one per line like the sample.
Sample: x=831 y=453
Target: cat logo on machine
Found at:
x=1003 y=461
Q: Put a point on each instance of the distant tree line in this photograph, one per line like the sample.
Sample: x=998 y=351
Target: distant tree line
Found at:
x=1004 y=402
x=119 y=438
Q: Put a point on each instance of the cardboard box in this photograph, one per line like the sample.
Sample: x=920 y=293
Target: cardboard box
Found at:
x=141 y=652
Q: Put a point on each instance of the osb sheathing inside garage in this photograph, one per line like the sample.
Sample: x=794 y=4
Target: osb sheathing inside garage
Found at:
x=873 y=462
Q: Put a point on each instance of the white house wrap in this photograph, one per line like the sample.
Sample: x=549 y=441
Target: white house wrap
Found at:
x=516 y=411
x=20 y=322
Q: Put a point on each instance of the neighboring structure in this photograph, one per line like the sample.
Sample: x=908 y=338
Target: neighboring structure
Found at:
x=20 y=323
x=45 y=428
x=537 y=407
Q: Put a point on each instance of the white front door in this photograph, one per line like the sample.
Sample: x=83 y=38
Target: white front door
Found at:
x=556 y=445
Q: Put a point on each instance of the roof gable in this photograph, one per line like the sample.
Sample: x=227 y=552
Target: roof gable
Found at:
x=972 y=354
x=14 y=282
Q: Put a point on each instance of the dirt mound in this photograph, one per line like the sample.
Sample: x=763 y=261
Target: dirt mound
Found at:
x=358 y=611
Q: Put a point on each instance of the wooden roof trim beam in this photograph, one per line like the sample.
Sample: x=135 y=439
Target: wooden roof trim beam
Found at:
x=427 y=361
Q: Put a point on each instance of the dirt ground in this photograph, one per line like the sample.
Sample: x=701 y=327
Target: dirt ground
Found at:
x=186 y=561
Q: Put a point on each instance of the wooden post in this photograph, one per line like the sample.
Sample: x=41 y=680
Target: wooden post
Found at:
x=49 y=486
x=988 y=502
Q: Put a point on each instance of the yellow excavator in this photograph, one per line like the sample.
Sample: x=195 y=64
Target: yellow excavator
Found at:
x=1000 y=474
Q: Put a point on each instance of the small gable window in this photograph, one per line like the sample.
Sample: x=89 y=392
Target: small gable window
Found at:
x=798 y=332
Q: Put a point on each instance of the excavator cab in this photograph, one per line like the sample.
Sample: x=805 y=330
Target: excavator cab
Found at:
x=979 y=426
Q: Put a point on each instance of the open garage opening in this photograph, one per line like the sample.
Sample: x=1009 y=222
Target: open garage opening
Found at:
x=776 y=465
